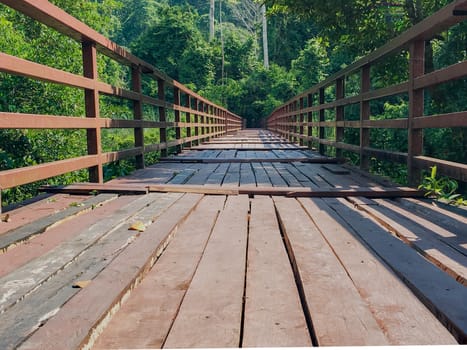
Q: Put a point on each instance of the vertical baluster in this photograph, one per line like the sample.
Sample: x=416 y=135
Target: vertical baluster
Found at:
x=91 y=98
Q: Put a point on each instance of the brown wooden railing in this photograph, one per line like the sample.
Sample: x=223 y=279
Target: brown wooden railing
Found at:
x=198 y=118
x=304 y=118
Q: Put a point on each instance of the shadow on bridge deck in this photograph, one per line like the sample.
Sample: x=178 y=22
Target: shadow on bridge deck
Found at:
x=244 y=241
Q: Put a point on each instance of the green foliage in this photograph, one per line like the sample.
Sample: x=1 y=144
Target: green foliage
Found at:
x=442 y=188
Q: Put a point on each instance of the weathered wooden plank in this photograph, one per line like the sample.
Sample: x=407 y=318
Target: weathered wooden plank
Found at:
x=232 y=177
x=312 y=172
x=87 y=188
x=211 y=312
x=247 y=176
x=181 y=177
x=438 y=291
x=218 y=175
x=16 y=285
x=275 y=178
x=35 y=208
x=286 y=175
x=404 y=319
x=79 y=321
x=262 y=179
x=340 y=316
x=439 y=246
x=41 y=244
x=202 y=175
x=289 y=191
x=26 y=232
x=336 y=169
x=454 y=221
x=273 y=313
x=18 y=322
x=145 y=319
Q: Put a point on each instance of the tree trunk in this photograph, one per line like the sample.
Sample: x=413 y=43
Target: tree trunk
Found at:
x=211 y=20
x=265 y=37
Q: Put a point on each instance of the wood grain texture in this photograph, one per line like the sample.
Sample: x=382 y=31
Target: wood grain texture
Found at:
x=147 y=316
x=402 y=317
x=437 y=290
x=340 y=316
x=211 y=312
x=273 y=312
x=80 y=320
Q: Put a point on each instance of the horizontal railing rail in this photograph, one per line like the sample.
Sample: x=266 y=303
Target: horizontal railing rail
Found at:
x=196 y=119
x=303 y=118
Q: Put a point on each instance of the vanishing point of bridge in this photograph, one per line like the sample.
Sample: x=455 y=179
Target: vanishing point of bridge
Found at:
x=240 y=237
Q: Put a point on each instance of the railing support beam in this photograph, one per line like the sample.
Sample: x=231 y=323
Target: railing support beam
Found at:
x=91 y=101
x=416 y=109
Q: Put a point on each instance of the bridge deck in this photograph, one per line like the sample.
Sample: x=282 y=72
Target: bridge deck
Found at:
x=226 y=251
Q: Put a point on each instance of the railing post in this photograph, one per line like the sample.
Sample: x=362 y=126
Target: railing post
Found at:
x=188 y=119
x=178 y=134
x=310 y=120
x=416 y=101
x=340 y=94
x=138 y=114
x=322 y=117
x=203 y=121
x=91 y=98
x=196 y=120
x=365 y=86
x=296 y=117
x=162 y=116
x=302 y=120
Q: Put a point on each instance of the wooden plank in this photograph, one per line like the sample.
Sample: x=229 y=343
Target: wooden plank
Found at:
x=320 y=160
x=404 y=319
x=436 y=244
x=262 y=178
x=247 y=176
x=211 y=312
x=80 y=320
x=340 y=317
x=335 y=169
x=44 y=301
x=147 y=316
x=27 y=232
x=289 y=191
x=184 y=175
x=232 y=177
x=202 y=175
x=438 y=291
x=35 y=208
x=454 y=221
x=275 y=178
x=286 y=175
x=40 y=245
x=87 y=188
x=273 y=312
x=245 y=148
x=217 y=176
x=16 y=285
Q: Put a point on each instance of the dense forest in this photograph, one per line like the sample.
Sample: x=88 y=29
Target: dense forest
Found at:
x=217 y=49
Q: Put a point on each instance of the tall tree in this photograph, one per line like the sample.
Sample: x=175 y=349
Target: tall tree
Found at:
x=265 y=36
x=211 y=19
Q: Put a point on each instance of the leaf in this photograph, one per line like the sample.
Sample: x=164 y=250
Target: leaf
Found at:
x=5 y=218
x=433 y=171
x=81 y=284
x=137 y=226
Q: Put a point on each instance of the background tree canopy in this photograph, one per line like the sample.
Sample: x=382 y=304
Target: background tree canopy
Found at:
x=308 y=41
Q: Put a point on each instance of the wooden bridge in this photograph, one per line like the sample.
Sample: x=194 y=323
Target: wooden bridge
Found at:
x=236 y=237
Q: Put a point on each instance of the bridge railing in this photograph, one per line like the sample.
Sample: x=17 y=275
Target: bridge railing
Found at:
x=320 y=115
x=195 y=118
